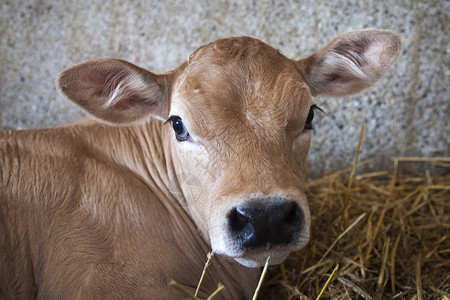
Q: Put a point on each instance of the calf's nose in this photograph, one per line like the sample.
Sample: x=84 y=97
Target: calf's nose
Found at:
x=257 y=224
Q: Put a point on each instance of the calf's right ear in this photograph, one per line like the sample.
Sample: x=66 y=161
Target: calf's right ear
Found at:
x=115 y=91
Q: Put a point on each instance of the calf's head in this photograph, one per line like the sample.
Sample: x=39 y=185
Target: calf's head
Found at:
x=239 y=119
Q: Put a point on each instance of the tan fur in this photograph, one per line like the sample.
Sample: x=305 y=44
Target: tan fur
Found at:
x=94 y=211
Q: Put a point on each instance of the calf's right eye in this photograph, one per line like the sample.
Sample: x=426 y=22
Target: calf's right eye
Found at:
x=181 y=132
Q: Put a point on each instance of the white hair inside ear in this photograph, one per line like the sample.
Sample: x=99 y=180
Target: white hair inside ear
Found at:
x=122 y=86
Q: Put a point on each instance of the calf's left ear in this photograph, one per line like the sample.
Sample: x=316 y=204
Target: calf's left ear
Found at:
x=115 y=91
x=350 y=62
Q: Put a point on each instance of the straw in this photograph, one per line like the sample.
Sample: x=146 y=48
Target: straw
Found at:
x=209 y=256
x=398 y=243
x=263 y=274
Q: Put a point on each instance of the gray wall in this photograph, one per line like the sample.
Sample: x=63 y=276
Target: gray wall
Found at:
x=405 y=113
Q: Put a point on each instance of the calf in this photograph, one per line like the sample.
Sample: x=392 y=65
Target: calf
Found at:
x=211 y=155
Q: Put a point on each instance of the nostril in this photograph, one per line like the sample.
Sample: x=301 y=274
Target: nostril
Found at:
x=293 y=214
x=238 y=219
x=239 y=224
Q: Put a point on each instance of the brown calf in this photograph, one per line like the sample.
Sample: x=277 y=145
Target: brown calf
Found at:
x=211 y=155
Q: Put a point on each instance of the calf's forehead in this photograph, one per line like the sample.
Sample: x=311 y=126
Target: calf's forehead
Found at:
x=242 y=80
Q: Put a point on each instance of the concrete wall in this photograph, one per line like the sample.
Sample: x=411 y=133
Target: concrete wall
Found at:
x=405 y=113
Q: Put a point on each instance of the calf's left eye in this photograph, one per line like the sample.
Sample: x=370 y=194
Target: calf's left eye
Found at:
x=309 y=119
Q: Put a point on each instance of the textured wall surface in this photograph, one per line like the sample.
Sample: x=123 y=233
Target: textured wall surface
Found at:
x=405 y=113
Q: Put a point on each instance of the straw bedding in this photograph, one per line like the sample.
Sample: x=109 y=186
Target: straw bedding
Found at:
x=383 y=235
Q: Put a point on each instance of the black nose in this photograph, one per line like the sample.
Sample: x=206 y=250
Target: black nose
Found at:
x=257 y=224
